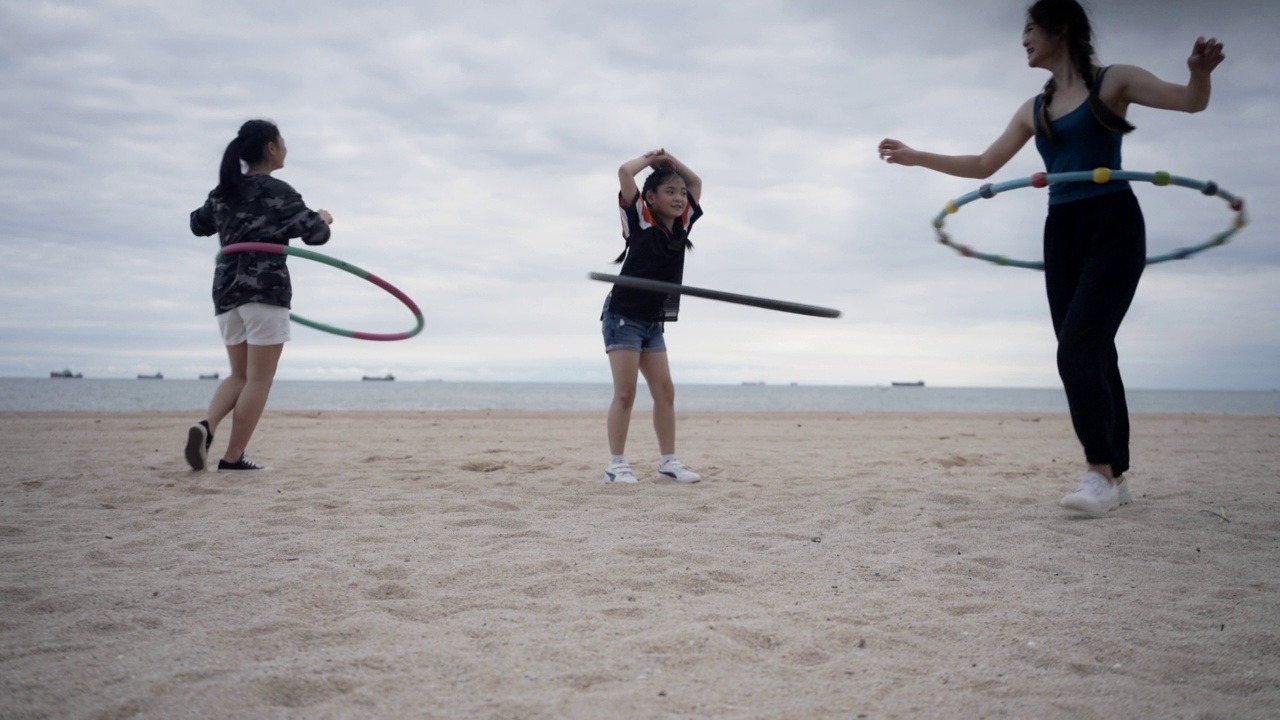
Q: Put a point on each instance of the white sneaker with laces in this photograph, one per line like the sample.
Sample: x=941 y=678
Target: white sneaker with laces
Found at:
x=676 y=471
x=1096 y=495
x=619 y=473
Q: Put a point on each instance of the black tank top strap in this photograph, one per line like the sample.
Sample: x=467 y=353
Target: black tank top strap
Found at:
x=1108 y=117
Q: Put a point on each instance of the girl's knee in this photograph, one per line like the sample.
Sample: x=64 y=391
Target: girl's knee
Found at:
x=625 y=396
x=663 y=394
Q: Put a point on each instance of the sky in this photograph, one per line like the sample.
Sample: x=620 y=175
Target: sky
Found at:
x=469 y=151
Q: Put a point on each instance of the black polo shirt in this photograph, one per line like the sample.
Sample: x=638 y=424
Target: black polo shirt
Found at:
x=653 y=253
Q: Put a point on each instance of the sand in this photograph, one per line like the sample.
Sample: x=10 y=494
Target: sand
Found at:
x=473 y=565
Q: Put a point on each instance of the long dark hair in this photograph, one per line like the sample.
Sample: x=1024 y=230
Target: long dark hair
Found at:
x=1068 y=20
x=655 y=180
x=250 y=146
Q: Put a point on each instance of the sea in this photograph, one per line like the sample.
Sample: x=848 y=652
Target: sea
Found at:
x=133 y=395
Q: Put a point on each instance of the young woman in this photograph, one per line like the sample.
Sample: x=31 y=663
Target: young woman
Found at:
x=251 y=291
x=1094 y=237
x=655 y=224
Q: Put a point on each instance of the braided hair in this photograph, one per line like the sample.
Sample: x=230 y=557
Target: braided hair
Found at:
x=655 y=180
x=1068 y=20
x=250 y=147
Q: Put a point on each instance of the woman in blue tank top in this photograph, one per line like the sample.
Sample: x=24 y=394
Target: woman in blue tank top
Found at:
x=1094 y=237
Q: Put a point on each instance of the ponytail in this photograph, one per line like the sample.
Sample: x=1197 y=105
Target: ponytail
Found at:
x=229 y=174
x=249 y=146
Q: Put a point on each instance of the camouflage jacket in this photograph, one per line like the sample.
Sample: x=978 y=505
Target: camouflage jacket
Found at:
x=266 y=210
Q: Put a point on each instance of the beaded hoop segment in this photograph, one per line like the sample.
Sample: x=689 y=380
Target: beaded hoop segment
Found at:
x=277 y=249
x=1100 y=175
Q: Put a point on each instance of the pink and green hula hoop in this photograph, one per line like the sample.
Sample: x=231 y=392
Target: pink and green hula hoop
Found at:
x=1100 y=175
x=348 y=267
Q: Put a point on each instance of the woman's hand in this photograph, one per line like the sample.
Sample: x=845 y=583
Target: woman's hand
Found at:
x=325 y=216
x=896 y=152
x=1205 y=56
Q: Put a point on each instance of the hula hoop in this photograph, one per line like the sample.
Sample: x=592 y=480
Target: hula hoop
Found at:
x=1100 y=176
x=348 y=267
x=672 y=288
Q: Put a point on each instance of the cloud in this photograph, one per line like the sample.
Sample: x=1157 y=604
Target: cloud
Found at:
x=468 y=153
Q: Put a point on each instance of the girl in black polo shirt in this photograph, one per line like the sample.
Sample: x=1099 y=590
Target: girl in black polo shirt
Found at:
x=655 y=224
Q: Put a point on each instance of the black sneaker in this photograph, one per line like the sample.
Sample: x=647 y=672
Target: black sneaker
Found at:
x=242 y=464
x=198 y=441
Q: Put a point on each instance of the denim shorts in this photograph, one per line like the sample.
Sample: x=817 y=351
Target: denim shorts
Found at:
x=624 y=333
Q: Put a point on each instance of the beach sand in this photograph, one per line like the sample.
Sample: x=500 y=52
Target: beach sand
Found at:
x=473 y=564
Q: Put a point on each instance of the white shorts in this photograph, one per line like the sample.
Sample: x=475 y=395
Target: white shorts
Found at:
x=255 y=323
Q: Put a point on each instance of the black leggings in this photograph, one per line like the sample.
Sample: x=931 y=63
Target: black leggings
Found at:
x=1094 y=254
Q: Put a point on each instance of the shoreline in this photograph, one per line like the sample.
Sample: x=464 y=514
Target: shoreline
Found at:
x=187 y=415
x=193 y=396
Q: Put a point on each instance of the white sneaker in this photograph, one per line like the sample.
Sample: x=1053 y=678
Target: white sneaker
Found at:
x=1094 y=496
x=1122 y=492
x=677 y=472
x=619 y=473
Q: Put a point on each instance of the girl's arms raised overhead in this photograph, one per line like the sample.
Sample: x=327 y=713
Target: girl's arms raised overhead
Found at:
x=656 y=159
x=692 y=182
x=627 y=174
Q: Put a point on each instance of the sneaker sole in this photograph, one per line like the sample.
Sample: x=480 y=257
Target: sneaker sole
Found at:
x=675 y=479
x=197 y=452
x=613 y=480
x=1084 y=506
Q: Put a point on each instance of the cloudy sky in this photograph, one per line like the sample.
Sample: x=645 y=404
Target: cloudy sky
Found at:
x=468 y=152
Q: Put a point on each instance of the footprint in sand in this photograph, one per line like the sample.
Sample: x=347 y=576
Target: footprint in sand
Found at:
x=485 y=466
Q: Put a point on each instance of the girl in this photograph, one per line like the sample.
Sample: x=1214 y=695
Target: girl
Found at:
x=251 y=291
x=1094 y=237
x=655 y=225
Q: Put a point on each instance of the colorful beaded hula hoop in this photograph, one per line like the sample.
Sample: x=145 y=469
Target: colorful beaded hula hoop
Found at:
x=348 y=267
x=1100 y=176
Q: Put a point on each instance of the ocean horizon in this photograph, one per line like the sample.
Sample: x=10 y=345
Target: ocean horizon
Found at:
x=133 y=395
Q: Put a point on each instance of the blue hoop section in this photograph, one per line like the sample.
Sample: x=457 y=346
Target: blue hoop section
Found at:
x=1100 y=175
